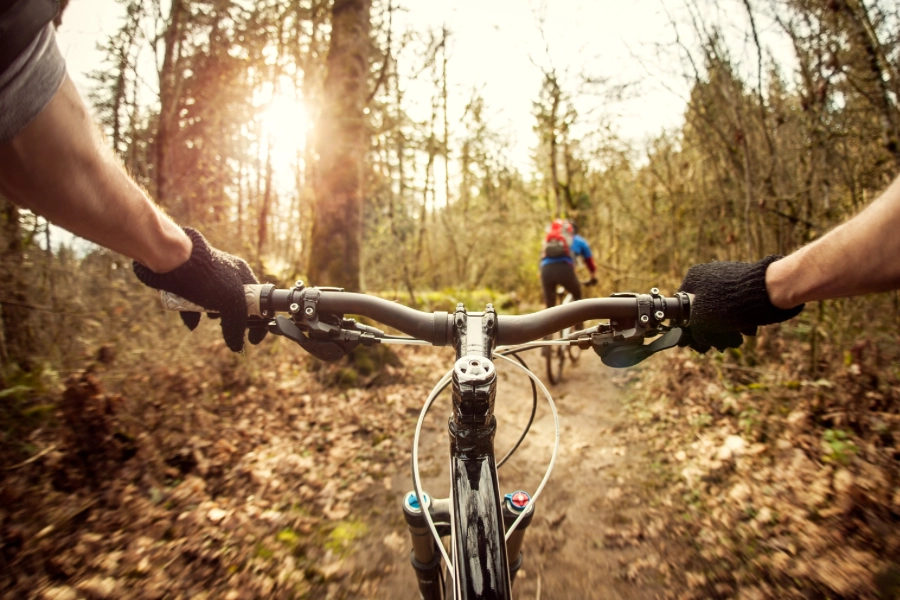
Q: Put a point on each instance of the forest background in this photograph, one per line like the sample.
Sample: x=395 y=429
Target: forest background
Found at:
x=316 y=140
x=225 y=113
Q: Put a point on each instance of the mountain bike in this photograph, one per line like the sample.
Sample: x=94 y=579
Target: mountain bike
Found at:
x=485 y=529
x=555 y=356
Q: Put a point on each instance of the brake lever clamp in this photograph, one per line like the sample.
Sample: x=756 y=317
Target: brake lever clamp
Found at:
x=327 y=337
x=621 y=343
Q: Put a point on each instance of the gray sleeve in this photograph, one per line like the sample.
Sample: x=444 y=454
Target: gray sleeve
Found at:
x=29 y=83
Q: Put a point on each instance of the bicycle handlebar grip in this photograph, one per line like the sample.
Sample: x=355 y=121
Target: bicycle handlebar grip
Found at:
x=171 y=301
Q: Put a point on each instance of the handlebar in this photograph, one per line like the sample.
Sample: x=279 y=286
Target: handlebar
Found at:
x=436 y=328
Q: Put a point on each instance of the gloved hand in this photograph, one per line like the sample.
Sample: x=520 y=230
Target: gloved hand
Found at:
x=591 y=282
x=214 y=280
x=730 y=298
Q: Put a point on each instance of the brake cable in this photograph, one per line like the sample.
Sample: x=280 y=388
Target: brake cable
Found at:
x=546 y=478
x=530 y=419
x=417 y=483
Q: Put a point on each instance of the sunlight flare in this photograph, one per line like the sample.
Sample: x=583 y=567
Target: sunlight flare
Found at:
x=285 y=122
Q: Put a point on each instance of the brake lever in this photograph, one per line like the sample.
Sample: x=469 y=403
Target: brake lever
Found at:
x=337 y=345
x=627 y=353
x=321 y=349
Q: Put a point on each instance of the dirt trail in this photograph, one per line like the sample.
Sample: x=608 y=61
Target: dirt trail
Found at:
x=586 y=538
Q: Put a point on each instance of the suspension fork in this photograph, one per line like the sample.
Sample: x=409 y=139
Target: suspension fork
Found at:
x=425 y=556
x=511 y=512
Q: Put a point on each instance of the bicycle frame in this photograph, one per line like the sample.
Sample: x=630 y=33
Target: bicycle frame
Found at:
x=475 y=513
x=481 y=571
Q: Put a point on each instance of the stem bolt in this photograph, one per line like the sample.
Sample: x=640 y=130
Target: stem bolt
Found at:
x=294 y=307
x=660 y=315
x=654 y=291
x=645 y=319
x=310 y=311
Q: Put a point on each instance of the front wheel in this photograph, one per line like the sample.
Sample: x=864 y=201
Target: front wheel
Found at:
x=555 y=357
x=574 y=353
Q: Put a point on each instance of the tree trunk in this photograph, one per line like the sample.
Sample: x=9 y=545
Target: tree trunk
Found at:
x=169 y=82
x=16 y=334
x=336 y=235
x=262 y=225
x=554 y=174
x=879 y=74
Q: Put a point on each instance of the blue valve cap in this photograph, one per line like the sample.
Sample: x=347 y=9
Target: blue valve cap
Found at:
x=412 y=502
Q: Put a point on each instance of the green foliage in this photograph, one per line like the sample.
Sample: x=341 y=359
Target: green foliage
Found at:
x=701 y=421
x=371 y=360
x=263 y=552
x=346 y=377
x=288 y=537
x=473 y=299
x=24 y=407
x=748 y=420
x=291 y=540
x=839 y=448
x=341 y=538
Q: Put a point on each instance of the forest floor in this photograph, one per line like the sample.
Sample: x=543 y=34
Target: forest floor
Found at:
x=255 y=477
x=183 y=487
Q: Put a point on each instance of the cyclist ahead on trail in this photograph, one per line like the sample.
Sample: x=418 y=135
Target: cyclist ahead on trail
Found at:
x=561 y=245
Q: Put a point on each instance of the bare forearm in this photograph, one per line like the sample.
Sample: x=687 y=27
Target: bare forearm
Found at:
x=858 y=257
x=60 y=167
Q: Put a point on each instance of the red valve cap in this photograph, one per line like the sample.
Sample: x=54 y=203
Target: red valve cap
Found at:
x=520 y=500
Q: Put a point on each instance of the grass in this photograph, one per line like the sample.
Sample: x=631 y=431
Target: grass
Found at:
x=341 y=538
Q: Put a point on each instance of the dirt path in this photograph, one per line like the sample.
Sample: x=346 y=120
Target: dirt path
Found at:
x=593 y=533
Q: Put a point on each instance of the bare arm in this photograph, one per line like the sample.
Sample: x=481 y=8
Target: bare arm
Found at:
x=61 y=168
x=860 y=256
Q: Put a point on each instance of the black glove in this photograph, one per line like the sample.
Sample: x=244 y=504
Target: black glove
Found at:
x=214 y=280
x=730 y=298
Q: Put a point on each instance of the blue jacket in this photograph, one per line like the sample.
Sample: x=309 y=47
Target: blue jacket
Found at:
x=579 y=247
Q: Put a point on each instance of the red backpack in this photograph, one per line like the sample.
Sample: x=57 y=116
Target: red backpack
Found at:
x=558 y=239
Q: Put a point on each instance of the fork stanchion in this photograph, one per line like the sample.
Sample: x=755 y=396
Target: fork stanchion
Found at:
x=428 y=576
x=424 y=557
